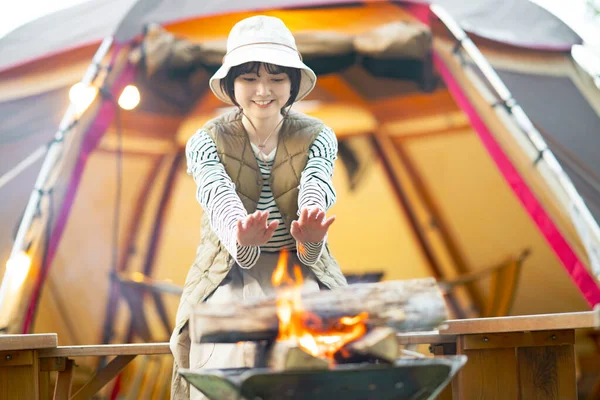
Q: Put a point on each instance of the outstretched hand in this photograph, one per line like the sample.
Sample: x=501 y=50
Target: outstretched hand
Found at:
x=312 y=226
x=254 y=230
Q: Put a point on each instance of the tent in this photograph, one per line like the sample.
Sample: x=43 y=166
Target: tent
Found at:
x=440 y=171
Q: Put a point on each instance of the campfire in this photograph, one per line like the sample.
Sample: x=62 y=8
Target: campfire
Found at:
x=320 y=330
x=306 y=330
x=326 y=344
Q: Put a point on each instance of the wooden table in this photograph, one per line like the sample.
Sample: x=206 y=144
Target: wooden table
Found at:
x=27 y=360
x=523 y=357
x=20 y=365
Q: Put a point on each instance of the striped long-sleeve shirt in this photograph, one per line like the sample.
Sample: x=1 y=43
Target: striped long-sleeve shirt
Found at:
x=216 y=194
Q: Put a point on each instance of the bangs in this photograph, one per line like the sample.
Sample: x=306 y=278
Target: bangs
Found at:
x=254 y=67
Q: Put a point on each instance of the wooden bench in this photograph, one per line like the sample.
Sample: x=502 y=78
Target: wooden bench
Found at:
x=524 y=357
x=27 y=360
x=521 y=357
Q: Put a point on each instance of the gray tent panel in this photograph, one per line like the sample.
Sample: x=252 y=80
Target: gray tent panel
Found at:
x=25 y=125
x=518 y=22
x=82 y=24
x=570 y=125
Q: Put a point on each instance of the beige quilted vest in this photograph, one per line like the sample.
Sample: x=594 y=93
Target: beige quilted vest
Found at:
x=213 y=262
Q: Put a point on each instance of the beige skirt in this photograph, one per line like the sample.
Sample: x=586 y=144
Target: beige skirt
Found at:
x=242 y=284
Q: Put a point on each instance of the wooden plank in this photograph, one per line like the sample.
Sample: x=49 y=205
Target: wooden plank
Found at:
x=44 y=381
x=18 y=382
x=541 y=322
x=547 y=372
x=16 y=358
x=107 y=350
x=22 y=342
x=35 y=369
x=518 y=339
x=430 y=337
x=62 y=390
x=104 y=376
x=489 y=374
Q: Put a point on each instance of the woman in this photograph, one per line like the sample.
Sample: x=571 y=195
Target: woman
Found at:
x=263 y=176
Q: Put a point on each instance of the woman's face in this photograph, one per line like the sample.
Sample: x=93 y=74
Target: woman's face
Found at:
x=262 y=95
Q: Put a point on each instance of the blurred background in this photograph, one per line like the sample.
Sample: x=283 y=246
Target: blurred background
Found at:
x=471 y=161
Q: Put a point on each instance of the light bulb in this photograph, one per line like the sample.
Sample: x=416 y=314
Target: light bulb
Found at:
x=82 y=96
x=17 y=268
x=130 y=98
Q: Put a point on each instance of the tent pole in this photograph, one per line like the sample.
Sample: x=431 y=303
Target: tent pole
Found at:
x=449 y=243
x=337 y=86
x=69 y=120
x=123 y=262
x=391 y=162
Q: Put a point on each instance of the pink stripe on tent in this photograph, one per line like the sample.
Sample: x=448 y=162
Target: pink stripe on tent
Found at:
x=421 y=11
x=96 y=130
x=574 y=266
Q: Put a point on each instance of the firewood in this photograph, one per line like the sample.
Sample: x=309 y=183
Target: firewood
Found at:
x=410 y=305
x=288 y=355
x=380 y=343
x=411 y=354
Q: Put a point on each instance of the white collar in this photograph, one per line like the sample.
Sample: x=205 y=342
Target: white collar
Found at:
x=268 y=157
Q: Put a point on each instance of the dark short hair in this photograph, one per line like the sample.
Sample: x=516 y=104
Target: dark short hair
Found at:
x=252 y=67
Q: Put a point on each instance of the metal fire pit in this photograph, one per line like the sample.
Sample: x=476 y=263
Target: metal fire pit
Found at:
x=413 y=379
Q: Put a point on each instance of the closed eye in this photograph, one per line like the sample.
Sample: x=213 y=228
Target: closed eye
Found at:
x=249 y=79
x=277 y=80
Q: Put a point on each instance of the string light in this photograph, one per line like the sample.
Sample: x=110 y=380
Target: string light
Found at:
x=17 y=268
x=130 y=98
x=82 y=96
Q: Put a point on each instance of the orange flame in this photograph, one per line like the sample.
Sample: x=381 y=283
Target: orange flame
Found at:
x=304 y=327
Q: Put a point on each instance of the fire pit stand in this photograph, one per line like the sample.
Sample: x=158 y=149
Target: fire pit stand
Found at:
x=414 y=379
x=367 y=366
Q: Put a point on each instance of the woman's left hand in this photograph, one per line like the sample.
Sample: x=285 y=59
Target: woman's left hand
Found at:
x=311 y=227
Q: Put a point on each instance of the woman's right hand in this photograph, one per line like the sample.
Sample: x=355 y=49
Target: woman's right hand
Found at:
x=253 y=230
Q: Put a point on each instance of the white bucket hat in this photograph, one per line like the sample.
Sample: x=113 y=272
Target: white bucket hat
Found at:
x=262 y=39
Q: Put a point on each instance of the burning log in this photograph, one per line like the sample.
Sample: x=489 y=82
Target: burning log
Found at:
x=288 y=355
x=380 y=343
x=409 y=305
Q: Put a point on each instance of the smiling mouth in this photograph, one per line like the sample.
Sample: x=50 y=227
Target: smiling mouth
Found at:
x=262 y=103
